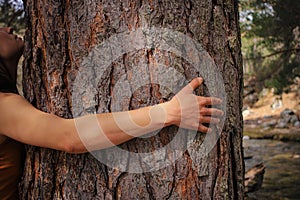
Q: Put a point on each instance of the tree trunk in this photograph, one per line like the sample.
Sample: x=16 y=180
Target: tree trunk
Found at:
x=62 y=36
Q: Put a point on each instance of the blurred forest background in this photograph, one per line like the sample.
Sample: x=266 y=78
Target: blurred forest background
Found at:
x=270 y=32
x=12 y=14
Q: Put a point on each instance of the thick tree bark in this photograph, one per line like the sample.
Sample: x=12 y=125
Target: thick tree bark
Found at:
x=60 y=34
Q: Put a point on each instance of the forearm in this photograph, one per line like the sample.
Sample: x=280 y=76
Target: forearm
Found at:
x=31 y=126
x=100 y=131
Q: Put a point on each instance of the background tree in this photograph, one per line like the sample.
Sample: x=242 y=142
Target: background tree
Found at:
x=271 y=41
x=12 y=14
x=61 y=33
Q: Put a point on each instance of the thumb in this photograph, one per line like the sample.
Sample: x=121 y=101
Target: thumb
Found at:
x=196 y=82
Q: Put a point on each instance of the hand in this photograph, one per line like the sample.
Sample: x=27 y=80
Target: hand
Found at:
x=190 y=111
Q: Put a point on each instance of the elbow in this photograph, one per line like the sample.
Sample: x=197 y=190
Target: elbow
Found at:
x=70 y=148
x=71 y=142
x=73 y=148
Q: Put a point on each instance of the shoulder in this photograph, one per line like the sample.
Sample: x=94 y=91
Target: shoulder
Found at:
x=12 y=106
x=5 y=98
x=8 y=96
x=11 y=101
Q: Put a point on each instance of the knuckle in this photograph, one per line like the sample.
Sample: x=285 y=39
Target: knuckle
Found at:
x=200 y=118
x=203 y=110
x=203 y=128
x=209 y=120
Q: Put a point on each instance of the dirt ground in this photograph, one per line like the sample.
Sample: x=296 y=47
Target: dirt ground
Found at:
x=269 y=105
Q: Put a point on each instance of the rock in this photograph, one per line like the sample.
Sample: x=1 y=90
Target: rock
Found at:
x=246 y=137
x=281 y=124
x=297 y=124
x=271 y=123
x=286 y=112
x=251 y=99
x=246 y=113
x=254 y=178
x=288 y=115
x=287 y=119
x=296 y=156
x=264 y=92
x=277 y=103
x=268 y=116
x=265 y=129
x=294 y=119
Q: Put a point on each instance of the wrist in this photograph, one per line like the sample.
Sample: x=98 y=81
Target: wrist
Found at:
x=169 y=113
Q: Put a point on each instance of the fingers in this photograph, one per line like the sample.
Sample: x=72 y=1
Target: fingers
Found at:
x=208 y=101
x=209 y=116
x=205 y=121
x=204 y=129
x=204 y=111
x=209 y=120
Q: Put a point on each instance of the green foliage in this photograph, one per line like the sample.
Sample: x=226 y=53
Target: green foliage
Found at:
x=280 y=80
x=12 y=14
x=271 y=40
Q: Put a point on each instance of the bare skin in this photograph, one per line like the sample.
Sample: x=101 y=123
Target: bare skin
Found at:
x=21 y=121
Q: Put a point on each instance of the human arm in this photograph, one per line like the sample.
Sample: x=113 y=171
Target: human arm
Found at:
x=21 y=121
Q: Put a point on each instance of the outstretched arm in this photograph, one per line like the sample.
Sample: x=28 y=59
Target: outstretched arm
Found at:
x=21 y=121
